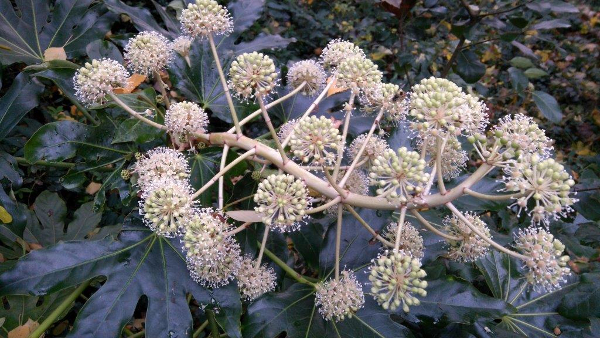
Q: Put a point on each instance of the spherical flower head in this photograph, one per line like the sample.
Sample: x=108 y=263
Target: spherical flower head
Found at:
x=282 y=200
x=185 y=117
x=161 y=163
x=310 y=72
x=340 y=299
x=470 y=247
x=389 y=98
x=546 y=182
x=475 y=116
x=252 y=74
x=397 y=280
x=212 y=255
x=315 y=139
x=286 y=129
x=411 y=241
x=399 y=175
x=182 y=45
x=357 y=73
x=440 y=107
x=148 y=52
x=337 y=51
x=375 y=147
x=166 y=205
x=546 y=266
x=357 y=183
x=97 y=78
x=205 y=17
x=254 y=281
x=519 y=134
x=454 y=159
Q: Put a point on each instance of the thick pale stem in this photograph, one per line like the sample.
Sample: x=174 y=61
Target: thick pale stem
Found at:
x=222 y=179
x=342 y=145
x=338 y=240
x=337 y=188
x=234 y=117
x=356 y=162
x=324 y=206
x=399 y=231
x=481 y=234
x=440 y=144
x=311 y=108
x=493 y=197
x=270 y=126
x=223 y=172
x=368 y=227
x=134 y=113
x=263 y=244
x=432 y=228
x=163 y=89
x=269 y=106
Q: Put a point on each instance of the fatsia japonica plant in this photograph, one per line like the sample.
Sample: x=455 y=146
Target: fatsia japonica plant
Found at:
x=232 y=258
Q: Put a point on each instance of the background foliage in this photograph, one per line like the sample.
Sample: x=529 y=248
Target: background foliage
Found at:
x=67 y=216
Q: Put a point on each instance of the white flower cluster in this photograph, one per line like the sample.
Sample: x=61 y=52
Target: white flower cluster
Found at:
x=357 y=73
x=411 y=242
x=470 y=247
x=166 y=205
x=340 y=299
x=338 y=51
x=252 y=74
x=315 y=139
x=205 y=17
x=254 y=281
x=183 y=118
x=97 y=78
x=399 y=175
x=159 y=164
x=396 y=279
x=546 y=265
x=310 y=72
x=454 y=158
x=282 y=200
x=374 y=148
x=148 y=52
x=389 y=98
x=182 y=45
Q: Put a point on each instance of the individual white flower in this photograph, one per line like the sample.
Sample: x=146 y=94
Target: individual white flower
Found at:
x=254 y=281
x=337 y=51
x=252 y=74
x=440 y=107
x=205 y=17
x=396 y=279
x=166 y=205
x=282 y=200
x=307 y=71
x=374 y=148
x=183 y=118
x=285 y=129
x=546 y=266
x=454 y=159
x=315 y=139
x=357 y=73
x=399 y=175
x=389 y=98
x=546 y=182
x=470 y=247
x=411 y=241
x=96 y=79
x=212 y=255
x=148 y=52
x=182 y=45
x=340 y=299
x=161 y=163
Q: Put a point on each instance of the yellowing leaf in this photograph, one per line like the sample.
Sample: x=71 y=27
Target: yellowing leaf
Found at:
x=24 y=330
x=5 y=217
x=132 y=83
x=55 y=53
x=92 y=188
x=334 y=89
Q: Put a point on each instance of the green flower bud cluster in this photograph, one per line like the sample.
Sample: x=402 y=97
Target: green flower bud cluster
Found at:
x=182 y=45
x=440 y=107
x=389 y=98
x=357 y=72
x=159 y=164
x=340 y=299
x=205 y=17
x=253 y=281
x=96 y=79
x=282 y=200
x=546 y=266
x=315 y=139
x=411 y=241
x=546 y=182
x=148 y=52
x=125 y=174
x=399 y=175
x=470 y=247
x=310 y=72
x=396 y=279
x=213 y=257
x=183 y=118
x=252 y=74
x=166 y=205
x=375 y=147
x=337 y=51
x=454 y=159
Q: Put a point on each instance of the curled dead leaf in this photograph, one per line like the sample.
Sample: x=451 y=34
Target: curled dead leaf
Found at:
x=55 y=53
x=92 y=188
x=132 y=83
x=24 y=330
